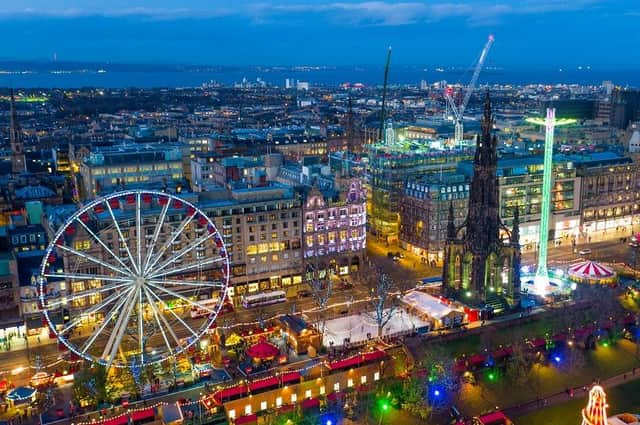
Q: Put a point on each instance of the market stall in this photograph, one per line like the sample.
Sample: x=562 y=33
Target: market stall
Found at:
x=593 y=273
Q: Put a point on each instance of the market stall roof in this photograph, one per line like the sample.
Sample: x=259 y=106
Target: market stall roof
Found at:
x=428 y=304
x=591 y=270
x=21 y=393
x=494 y=418
x=264 y=383
x=357 y=360
x=262 y=350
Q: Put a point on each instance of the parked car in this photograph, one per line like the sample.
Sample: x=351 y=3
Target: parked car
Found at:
x=304 y=293
x=585 y=251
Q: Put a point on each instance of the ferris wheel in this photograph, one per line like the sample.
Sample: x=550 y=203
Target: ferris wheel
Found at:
x=133 y=278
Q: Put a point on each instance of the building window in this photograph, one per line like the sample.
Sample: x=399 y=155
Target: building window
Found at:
x=294 y=398
x=307 y=394
x=263 y=405
x=336 y=386
x=363 y=379
x=322 y=390
x=82 y=245
x=232 y=413
x=349 y=383
x=278 y=401
x=376 y=376
x=247 y=409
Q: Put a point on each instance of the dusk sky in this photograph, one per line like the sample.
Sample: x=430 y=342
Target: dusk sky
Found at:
x=529 y=33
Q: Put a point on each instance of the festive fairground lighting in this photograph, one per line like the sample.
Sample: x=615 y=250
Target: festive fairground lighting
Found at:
x=596 y=411
x=541 y=280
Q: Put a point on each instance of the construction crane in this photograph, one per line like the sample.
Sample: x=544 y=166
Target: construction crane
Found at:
x=458 y=111
x=384 y=92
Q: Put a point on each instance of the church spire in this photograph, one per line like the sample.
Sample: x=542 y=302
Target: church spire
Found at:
x=451 y=225
x=515 y=230
x=485 y=149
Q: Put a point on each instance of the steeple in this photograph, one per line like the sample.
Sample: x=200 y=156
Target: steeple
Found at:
x=515 y=230
x=451 y=225
x=485 y=143
x=18 y=161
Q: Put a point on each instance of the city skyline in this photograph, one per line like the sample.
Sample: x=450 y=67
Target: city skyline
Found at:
x=559 y=34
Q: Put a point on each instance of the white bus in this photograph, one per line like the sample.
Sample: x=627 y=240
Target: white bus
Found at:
x=208 y=305
x=266 y=298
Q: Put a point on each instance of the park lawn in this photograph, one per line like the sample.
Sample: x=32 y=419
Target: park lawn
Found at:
x=602 y=363
x=624 y=398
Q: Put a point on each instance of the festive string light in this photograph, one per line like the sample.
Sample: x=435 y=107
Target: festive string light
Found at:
x=596 y=411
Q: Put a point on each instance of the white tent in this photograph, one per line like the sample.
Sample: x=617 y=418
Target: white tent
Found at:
x=356 y=328
x=430 y=306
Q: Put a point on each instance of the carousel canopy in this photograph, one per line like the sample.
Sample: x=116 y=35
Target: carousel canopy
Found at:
x=263 y=350
x=21 y=393
x=591 y=270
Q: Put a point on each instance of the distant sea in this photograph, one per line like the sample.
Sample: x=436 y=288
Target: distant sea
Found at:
x=147 y=76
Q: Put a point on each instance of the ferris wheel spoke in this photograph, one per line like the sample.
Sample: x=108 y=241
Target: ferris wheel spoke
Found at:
x=187 y=267
x=94 y=260
x=175 y=315
x=89 y=292
x=182 y=297
x=156 y=233
x=141 y=325
x=192 y=283
x=167 y=244
x=184 y=251
x=122 y=240
x=138 y=230
x=101 y=242
x=113 y=343
x=159 y=317
x=92 y=310
x=104 y=324
x=85 y=276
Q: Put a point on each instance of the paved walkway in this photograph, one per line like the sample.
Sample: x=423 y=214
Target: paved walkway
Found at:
x=564 y=396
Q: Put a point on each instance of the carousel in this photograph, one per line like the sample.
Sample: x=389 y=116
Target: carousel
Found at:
x=590 y=272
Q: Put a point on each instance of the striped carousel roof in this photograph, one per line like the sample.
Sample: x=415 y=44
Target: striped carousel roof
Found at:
x=591 y=270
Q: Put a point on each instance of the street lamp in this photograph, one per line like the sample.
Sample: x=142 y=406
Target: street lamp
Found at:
x=384 y=408
x=541 y=279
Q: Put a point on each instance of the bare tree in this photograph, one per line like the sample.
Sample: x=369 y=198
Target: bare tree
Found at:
x=383 y=301
x=321 y=291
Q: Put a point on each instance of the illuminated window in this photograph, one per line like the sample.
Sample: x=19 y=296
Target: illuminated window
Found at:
x=274 y=235
x=274 y=257
x=263 y=258
x=278 y=401
x=263 y=248
x=232 y=413
x=309 y=227
x=376 y=376
x=336 y=386
x=309 y=241
x=247 y=409
x=349 y=383
x=320 y=239
x=263 y=405
x=363 y=379
x=252 y=249
x=331 y=236
x=307 y=394
x=82 y=245
x=294 y=398
x=322 y=390
x=343 y=235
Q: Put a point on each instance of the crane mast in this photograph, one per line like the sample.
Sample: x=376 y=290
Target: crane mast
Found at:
x=384 y=93
x=458 y=111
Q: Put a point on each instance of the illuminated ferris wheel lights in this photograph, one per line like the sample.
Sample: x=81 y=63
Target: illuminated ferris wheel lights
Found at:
x=134 y=298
